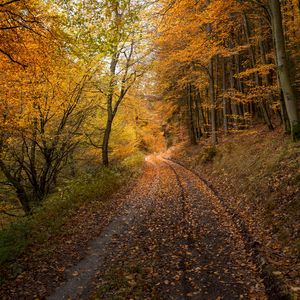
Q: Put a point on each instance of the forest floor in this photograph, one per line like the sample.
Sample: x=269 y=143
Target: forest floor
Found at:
x=170 y=239
x=171 y=235
x=256 y=176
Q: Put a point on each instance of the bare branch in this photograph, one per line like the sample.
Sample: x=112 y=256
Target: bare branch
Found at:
x=12 y=59
x=8 y=2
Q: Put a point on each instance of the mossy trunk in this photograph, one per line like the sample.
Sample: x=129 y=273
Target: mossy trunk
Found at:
x=282 y=69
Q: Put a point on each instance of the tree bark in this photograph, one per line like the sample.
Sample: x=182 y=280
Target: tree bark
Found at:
x=262 y=103
x=225 y=113
x=213 y=104
x=105 y=143
x=191 y=124
x=20 y=191
x=110 y=114
x=282 y=69
x=234 y=112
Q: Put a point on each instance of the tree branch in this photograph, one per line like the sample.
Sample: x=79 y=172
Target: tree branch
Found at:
x=12 y=59
x=8 y=2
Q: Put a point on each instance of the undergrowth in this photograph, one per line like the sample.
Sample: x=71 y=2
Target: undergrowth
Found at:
x=263 y=171
x=48 y=219
x=258 y=175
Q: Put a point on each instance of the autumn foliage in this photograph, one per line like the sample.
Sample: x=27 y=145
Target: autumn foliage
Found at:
x=66 y=70
x=98 y=77
x=225 y=65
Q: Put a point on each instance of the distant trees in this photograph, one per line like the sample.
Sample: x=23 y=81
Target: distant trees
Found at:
x=233 y=60
x=125 y=59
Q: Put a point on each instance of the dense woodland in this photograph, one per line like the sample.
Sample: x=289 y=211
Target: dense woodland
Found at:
x=89 y=88
x=66 y=68
x=225 y=65
x=213 y=67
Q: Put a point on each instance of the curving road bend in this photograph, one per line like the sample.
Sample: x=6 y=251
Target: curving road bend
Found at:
x=172 y=240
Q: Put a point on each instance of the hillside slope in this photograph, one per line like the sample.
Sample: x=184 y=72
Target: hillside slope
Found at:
x=257 y=175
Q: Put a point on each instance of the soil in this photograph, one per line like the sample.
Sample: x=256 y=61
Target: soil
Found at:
x=171 y=240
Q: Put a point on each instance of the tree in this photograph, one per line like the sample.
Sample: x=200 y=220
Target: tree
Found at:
x=41 y=113
x=20 y=20
x=273 y=12
x=226 y=51
x=283 y=69
x=126 y=56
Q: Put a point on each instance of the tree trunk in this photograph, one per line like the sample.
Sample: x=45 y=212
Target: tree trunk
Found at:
x=282 y=69
x=20 y=191
x=267 y=79
x=262 y=102
x=110 y=114
x=225 y=113
x=234 y=112
x=213 y=104
x=105 y=143
x=200 y=119
x=191 y=125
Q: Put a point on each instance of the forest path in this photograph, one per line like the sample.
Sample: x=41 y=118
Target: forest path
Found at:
x=173 y=240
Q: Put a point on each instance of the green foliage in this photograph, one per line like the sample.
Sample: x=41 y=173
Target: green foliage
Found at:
x=133 y=162
x=86 y=186
x=208 y=154
x=48 y=219
x=13 y=240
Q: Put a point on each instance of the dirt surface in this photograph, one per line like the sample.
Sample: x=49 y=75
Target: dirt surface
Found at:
x=43 y=266
x=261 y=192
x=172 y=240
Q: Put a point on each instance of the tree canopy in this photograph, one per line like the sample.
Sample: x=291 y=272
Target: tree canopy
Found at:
x=91 y=82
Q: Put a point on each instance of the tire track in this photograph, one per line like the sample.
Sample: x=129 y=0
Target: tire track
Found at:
x=79 y=277
x=187 y=242
x=275 y=289
x=184 y=175
x=170 y=230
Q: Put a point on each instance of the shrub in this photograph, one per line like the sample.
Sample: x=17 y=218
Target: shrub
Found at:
x=13 y=240
x=208 y=154
x=47 y=219
x=133 y=162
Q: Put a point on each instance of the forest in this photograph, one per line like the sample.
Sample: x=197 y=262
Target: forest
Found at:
x=181 y=116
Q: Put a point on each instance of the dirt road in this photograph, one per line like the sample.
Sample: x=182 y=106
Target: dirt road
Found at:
x=173 y=240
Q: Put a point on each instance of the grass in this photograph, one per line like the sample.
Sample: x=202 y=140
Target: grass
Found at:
x=266 y=170
x=48 y=220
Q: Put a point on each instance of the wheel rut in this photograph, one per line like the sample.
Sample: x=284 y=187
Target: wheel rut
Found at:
x=186 y=287
x=171 y=241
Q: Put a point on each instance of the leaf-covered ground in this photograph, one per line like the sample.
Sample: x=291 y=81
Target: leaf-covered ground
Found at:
x=256 y=174
x=171 y=240
x=43 y=266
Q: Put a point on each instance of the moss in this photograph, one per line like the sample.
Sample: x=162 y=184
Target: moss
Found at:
x=295 y=131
